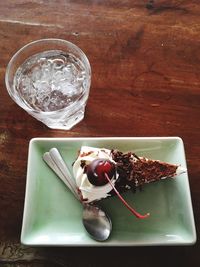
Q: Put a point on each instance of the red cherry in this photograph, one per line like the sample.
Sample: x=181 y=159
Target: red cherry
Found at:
x=96 y=171
x=100 y=172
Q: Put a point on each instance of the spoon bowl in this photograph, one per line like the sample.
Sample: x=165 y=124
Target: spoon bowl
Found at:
x=96 y=222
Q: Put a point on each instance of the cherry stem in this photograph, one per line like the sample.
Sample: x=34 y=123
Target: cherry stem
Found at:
x=138 y=215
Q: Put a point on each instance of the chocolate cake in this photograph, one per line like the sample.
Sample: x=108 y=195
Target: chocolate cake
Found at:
x=136 y=171
x=94 y=168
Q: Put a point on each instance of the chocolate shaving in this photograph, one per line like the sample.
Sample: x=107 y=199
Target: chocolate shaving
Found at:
x=83 y=164
x=84 y=154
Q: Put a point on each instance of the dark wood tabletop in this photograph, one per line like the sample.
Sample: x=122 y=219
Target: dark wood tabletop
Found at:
x=145 y=59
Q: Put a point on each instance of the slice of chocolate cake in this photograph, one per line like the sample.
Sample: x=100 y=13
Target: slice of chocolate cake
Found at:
x=136 y=171
x=124 y=170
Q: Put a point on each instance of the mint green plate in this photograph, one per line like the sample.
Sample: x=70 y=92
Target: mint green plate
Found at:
x=53 y=217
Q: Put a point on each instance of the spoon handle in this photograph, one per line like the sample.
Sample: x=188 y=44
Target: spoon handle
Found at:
x=57 y=164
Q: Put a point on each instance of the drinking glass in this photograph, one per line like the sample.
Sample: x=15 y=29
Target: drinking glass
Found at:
x=50 y=79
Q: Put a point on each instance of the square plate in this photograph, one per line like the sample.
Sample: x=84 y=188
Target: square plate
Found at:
x=52 y=216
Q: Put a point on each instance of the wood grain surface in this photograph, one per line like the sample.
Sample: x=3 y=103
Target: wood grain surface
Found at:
x=145 y=58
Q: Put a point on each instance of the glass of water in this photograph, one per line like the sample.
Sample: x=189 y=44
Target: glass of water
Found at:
x=50 y=79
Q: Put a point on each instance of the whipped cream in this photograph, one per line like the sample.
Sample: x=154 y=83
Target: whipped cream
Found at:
x=89 y=191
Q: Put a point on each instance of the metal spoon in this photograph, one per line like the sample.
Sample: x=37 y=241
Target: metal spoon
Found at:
x=95 y=220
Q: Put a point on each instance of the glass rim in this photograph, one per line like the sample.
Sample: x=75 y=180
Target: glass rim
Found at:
x=18 y=52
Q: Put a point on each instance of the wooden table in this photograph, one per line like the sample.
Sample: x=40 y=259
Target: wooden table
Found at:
x=145 y=58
